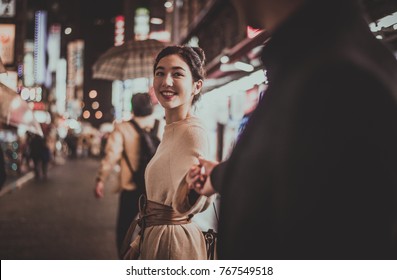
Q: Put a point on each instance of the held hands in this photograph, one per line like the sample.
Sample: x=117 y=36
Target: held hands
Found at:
x=198 y=177
x=99 y=189
x=195 y=177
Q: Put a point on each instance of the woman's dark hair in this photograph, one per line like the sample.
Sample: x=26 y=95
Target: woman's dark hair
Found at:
x=194 y=58
x=141 y=104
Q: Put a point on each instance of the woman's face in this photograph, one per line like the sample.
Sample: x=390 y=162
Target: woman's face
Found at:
x=173 y=83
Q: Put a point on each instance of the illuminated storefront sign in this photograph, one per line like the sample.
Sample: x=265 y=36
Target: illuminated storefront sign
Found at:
x=60 y=90
x=7 y=43
x=40 y=37
x=75 y=63
x=54 y=47
x=141 y=27
x=252 y=32
x=28 y=64
x=119 y=31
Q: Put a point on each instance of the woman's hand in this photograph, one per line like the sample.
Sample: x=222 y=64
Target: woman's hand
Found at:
x=194 y=176
x=199 y=179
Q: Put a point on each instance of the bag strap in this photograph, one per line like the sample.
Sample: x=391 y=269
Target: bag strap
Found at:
x=140 y=131
x=124 y=152
x=136 y=126
x=128 y=161
x=155 y=128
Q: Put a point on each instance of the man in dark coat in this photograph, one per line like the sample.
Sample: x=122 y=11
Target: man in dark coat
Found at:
x=314 y=174
x=3 y=174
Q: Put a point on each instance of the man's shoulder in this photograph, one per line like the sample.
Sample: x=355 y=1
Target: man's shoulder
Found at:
x=122 y=124
x=124 y=127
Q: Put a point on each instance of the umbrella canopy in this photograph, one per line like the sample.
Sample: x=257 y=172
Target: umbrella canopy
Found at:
x=133 y=59
x=15 y=111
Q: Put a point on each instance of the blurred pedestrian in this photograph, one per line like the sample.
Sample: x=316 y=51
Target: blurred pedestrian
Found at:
x=3 y=175
x=122 y=147
x=167 y=231
x=71 y=141
x=40 y=155
x=25 y=155
x=85 y=146
x=313 y=175
x=47 y=156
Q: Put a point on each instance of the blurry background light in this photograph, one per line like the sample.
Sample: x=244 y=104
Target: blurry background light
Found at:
x=42 y=116
x=225 y=59
x=244 y=66
x=86 y=114
x=15 y=104
x=32 y=94
x=120 y=22
x=25 y=94
x=168 y=4
x=95 y=105
x=68 y=30
x=38 y=97
x=73 y=124
x=93 y=94
x=98 y=115
x=156 y=20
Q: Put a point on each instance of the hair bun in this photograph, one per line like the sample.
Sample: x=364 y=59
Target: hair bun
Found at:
x=200 y=53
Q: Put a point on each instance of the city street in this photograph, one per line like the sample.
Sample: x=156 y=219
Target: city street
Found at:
x=59 y=219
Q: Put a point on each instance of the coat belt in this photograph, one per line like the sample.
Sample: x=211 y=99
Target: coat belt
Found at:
x=151 y=213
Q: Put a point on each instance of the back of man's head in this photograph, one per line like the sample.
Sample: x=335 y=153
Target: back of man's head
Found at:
x=141 y=104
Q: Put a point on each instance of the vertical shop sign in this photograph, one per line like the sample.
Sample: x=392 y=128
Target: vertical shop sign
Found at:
x=40 y=41
x=7 y=43
x=54 y=46
x=119 y=30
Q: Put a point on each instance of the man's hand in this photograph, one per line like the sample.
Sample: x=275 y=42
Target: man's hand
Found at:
x=194 y=176
x=99 y=189
x=198 y=177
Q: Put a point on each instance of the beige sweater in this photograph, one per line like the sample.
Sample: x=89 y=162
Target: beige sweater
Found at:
x=182 y=143
x=125 y=137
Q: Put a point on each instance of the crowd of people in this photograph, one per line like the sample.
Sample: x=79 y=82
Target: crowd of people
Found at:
x=36 y=153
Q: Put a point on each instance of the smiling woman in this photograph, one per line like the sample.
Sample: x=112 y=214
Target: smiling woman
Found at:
x=174 y=87
x=168 y=231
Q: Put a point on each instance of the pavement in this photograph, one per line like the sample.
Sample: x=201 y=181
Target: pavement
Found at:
x=58 y=218
x=16 y=182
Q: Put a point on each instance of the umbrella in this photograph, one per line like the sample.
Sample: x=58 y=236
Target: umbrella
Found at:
x=133 y=59
x=15 y=111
